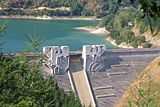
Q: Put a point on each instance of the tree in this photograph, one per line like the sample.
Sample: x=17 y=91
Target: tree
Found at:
x=151 y=14
x=109 y=7
x=76 y=7
x=22 y=85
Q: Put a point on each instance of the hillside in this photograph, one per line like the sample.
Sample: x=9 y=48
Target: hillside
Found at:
x=133 y=24
x=48 y=7
x=154 y=40
x=144 y=91
x=97 y=8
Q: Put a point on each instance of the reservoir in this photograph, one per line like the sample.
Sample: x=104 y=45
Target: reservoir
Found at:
x=48 y=32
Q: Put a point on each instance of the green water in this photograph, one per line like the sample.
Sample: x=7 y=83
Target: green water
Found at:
x=55 y=32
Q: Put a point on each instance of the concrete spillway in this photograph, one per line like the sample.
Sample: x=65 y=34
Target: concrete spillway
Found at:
x=81 y=84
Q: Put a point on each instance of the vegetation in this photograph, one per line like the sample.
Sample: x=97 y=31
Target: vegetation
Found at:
x=146 y=96
x=22 y=85
x=127 y=36
x=26 y=7
x=121 y=24
x=151 y=15
x=124 y=15
x=97 y=8
x=33 y=3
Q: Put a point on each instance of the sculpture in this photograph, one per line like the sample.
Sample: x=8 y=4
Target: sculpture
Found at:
x=92 y=55
x=57 y=58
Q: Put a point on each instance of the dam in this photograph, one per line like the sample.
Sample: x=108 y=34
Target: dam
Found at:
x=100 y=79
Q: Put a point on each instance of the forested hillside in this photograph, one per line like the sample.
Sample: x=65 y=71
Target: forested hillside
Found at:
x=134 y=23
x=77 y=7
x=54 y=7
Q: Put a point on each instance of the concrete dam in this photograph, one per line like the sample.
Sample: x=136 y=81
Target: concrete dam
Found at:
x=98 y=76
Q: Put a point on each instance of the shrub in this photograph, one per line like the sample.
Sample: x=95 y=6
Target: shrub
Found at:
x=145 y=95
x=128 y=37
x=134 y=44
x=142 y=27
x=147 y=45
x=108 y=22
x=115 y=34
x=140 y=39
x=123 y=17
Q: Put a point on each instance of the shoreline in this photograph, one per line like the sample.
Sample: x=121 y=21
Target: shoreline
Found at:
x=50 y=18
x=103 y=31
x=122 y=45
x=93 y=30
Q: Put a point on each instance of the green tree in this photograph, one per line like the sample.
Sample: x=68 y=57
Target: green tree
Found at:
x=76 y=7
x=151 y=14
x=23 y=85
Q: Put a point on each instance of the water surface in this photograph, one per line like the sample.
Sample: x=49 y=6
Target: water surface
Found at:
x=53 y=32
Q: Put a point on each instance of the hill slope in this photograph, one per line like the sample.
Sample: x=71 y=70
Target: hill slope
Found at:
x=145 y=90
